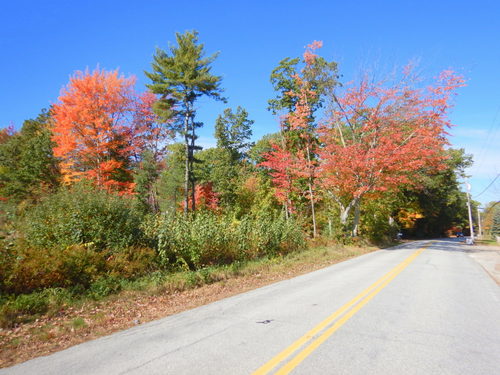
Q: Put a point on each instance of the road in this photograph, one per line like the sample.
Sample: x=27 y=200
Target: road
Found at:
x=424 y=308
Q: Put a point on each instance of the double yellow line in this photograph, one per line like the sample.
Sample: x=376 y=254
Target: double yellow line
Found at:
x=354 y=305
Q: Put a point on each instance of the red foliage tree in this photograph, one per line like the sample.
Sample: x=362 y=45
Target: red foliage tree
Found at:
x=292 y=162
x=379 y=138
x=150 y=132
x=205 y=197
x=93 y=131
x=282 y=166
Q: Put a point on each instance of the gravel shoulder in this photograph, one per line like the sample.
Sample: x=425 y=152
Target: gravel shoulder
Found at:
x=488 y=257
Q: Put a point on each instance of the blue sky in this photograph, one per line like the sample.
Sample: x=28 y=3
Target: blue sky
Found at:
x=44 y=42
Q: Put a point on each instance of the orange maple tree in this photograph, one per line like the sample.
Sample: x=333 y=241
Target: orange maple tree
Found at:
x=93 y=129
x=381 y=137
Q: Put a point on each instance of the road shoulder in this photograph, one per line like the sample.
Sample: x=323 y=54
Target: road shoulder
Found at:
x=488 y=258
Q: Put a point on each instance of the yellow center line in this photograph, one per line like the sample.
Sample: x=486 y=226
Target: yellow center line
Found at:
x=370 y=292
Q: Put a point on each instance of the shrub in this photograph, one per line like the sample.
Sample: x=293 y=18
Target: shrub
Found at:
x=103 y=287
x=131 y=262
x=22 y=309
x=195 y=240
x=77 y=266
x=26 y=307
x=205 y=238
x=82 y=215
x=35 y=269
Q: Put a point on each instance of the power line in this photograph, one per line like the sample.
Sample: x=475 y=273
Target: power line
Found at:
x=490 y=135
x=487 y=187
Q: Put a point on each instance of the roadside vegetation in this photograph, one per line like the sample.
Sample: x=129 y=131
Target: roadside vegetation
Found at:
x=107 y=194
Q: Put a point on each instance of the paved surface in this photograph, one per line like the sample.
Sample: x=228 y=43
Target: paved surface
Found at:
x=437 y=312
x=488 y=257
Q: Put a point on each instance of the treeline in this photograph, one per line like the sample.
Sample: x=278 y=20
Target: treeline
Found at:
x=110 y=183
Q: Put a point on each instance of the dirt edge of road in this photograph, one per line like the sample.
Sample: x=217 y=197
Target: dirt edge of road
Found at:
x=488 y=257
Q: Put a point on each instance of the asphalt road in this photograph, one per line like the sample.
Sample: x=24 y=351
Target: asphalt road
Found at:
x=396 y=311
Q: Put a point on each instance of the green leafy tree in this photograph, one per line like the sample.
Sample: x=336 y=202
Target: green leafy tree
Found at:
x=233 y=132
x=28 y=167
x=218 y=167
x=262 y=147
x=441 y=204
x=180 y=76
x=322 y=76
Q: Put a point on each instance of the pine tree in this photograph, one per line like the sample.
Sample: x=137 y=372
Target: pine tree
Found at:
x=233 y=132
x=495 y=228
x=180 y=76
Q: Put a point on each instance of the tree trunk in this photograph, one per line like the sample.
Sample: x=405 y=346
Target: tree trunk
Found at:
x=186 y=170
x=355 y=226
x=311 y=195
x=313 y=212
x=345 y=211
x=191 y=165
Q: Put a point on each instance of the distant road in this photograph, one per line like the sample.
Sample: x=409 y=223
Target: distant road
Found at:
x=423 y=308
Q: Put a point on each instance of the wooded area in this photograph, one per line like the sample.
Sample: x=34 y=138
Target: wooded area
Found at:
x=110 y=184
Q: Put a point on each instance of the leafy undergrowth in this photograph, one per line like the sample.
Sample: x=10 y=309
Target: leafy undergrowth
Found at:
x=156 y=296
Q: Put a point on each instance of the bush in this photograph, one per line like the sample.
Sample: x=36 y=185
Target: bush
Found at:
x=77 y=266
x=103 y=287
x=196 y=240
x=26 y=307
x=131 y=262
x=205 y=238
x=35 y=269
x=82 y=215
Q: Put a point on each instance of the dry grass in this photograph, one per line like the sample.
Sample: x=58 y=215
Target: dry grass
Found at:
x=92 y=319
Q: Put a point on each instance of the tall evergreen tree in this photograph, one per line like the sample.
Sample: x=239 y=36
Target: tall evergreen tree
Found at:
x=180 y=76
x=495 y=228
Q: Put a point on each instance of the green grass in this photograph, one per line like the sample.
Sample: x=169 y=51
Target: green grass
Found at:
x=78 y=323
x=487 y=242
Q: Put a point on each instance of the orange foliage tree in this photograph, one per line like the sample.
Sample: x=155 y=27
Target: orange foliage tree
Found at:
x=380 y=137
x=93 y=130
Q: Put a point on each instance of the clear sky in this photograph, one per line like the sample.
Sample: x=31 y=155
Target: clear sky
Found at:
x=43 y=42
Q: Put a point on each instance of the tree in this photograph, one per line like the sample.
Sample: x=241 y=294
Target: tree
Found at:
x=380 y=137
x=295 y=157
x=491 y=219
x=218 y=168
x=150 y=141
x=440 y=202
x=171 y=181
x=233 y=132
x=145 y=178
x=180 y=77
x=151 y=133
x=93 y=132
x=495 y=228
x=28 y=166
x=321 y=75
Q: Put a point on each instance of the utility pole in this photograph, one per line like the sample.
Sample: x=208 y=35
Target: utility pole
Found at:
x=480 y=234
x=471 y=225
